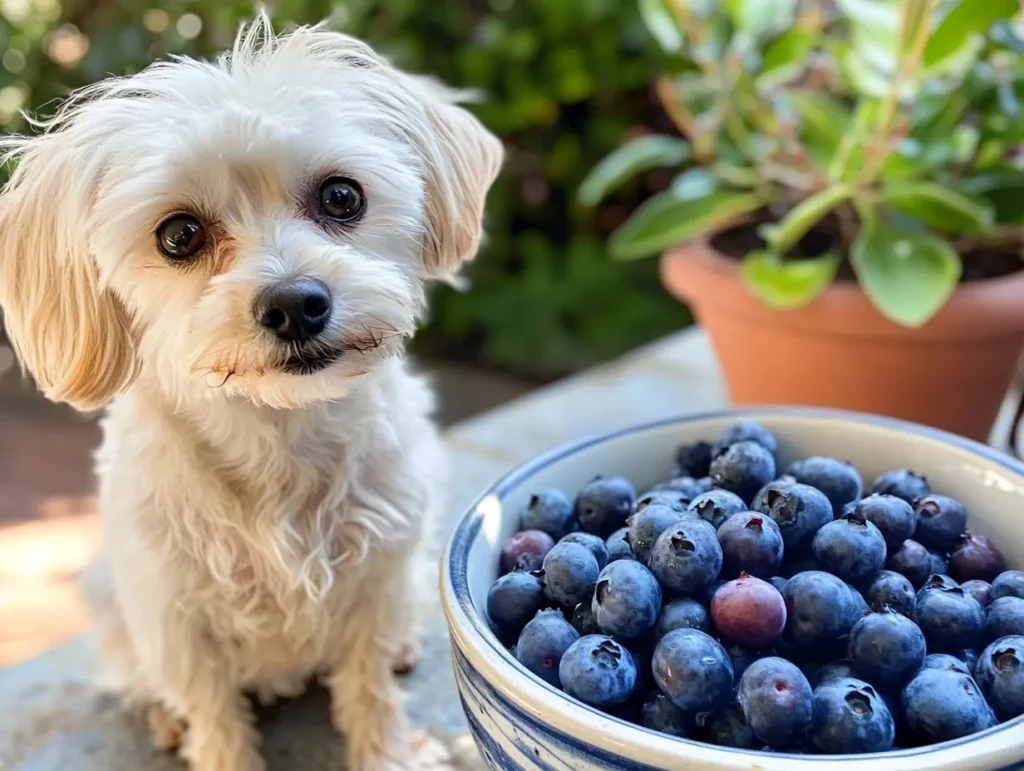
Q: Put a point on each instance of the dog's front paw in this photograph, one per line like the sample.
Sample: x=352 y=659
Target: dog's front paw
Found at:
x=408 y=657
x=418 y=752
x=167 y=730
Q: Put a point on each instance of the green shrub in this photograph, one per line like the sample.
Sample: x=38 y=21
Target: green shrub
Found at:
x=565 y=80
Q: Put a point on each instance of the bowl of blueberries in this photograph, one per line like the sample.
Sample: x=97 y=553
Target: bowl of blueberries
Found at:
x=777 y=588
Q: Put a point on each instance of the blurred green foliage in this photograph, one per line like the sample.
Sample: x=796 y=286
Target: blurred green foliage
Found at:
x=565 y=81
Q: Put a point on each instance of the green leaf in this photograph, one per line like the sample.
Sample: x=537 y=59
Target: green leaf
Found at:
x=787 y=56
x=636 y=157
x=788 y=284
x=848 y=161
x=1003 y=189
x=666 y=220
x=907 y=276
x=760 y=18
x=966 y=20
x=823 y=121
x=661 y=24
x=939 y=207
x=783 y=236
x=698 y=182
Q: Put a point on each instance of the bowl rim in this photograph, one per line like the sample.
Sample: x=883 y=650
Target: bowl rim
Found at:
x=563 y=713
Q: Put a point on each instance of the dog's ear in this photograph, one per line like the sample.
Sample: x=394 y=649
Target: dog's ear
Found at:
x=69 y=331
x=461 y=160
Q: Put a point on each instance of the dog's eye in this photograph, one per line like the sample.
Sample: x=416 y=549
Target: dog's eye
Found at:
x=342 y=199
x=180 y=237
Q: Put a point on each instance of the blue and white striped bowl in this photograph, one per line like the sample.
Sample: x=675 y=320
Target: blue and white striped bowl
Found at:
x=520 y=722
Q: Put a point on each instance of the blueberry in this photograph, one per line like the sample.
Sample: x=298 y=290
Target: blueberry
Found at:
x=742 y=657
x=749 y=611
x=751 y=543
x=525 y=551
x=950 y=618
x=542 y=643
x=903 y=483
x=860 y=605
x=716 y=506
x=850 y=717
x=938 y=562
x=694 y=460
x=979 y=590
x=820 y=611
x=549 y=511
x=1008 y=584
x=646 y=525
x=598 y=671
x=744 y=431
x=618 y=547
x=778 y=582
x=1003 y=618
x=569 y=574
x=593 y=544
x=851 y=548
x=936 y=581
x=969 y=656
x=744 y=468
x=838 y=480
x=940 y=522
x=886 y=648
x=686 y=488
x=660 y=714
x=583 y=620
x=939 y=705
x=889 y=589
x=976 y=558
x=799 y=511
x=728 y=727
x=946 y=662
x=1000 y=675
x=512 y=601
x=687 y=557
x=603 y=505
x=682 y=614
x=777 y=701
x=832 y=670
x=693 y=670
x=912 y=561
x=627 y=599
x=894 y=517
x=705 y=485
x=674 y=499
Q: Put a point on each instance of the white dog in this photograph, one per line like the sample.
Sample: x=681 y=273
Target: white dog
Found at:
x=230 y=254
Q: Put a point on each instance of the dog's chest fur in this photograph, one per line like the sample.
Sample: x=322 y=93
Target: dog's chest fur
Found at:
x=271 y=521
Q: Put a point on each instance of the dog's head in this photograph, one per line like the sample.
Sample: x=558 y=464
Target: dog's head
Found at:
x=259 y=227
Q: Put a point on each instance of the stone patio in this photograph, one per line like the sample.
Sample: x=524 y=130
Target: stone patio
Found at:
x=54 y=721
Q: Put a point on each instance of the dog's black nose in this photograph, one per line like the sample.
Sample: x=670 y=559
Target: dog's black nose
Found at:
x=295 y=310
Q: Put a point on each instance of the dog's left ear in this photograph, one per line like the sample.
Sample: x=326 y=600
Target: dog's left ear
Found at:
x=461 y=160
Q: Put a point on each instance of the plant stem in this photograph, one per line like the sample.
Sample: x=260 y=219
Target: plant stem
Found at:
x=677 y=112
x=906 y=69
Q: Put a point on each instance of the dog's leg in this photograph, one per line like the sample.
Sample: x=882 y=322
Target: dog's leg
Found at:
x=193 y=676
x=366 y=703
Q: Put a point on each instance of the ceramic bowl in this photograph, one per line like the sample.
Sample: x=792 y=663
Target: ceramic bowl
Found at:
x=520 y=722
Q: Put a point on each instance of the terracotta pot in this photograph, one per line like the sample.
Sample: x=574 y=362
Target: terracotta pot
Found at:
x=838 y=351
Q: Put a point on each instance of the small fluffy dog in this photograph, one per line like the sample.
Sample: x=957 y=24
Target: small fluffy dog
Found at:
x=230 y=254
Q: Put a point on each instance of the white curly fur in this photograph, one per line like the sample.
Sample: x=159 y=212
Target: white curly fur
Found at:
x=260 y=527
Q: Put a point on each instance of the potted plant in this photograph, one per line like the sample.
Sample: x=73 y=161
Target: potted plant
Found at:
x=847 y=220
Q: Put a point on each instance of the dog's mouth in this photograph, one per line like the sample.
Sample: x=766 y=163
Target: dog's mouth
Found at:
x=316 y=358
x=305 y=362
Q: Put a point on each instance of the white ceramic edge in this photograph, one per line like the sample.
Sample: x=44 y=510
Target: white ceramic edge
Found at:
x=1001 y=749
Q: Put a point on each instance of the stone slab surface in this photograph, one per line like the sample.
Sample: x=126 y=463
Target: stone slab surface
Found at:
x=51 y=718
